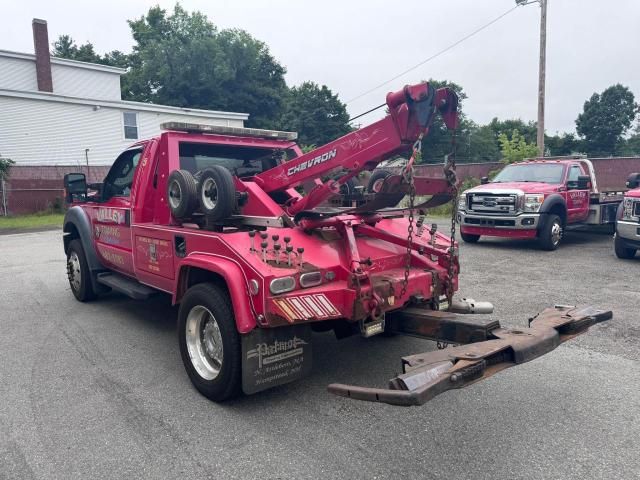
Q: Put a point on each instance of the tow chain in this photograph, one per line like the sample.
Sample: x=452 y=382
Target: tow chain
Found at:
x=450 y=174
x=408 y=175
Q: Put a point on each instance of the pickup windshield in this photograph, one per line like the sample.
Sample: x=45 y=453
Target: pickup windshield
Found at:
x=532 y=172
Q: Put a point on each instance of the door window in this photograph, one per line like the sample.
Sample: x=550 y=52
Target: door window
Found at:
x=572 y=179
x=120 y=178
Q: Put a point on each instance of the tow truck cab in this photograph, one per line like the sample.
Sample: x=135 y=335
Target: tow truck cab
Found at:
x=627 y=236
x=536 y=199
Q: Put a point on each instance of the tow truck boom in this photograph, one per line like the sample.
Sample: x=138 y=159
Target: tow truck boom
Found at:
x=411 y=112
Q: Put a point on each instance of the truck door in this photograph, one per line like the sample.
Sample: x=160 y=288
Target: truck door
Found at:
x=111 y=217
x=577 y=200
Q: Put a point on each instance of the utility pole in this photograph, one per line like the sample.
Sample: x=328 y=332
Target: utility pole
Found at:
x=541 y=75
x=86 y=157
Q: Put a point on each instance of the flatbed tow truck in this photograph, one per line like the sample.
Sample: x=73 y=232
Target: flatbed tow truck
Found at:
x=214 y=217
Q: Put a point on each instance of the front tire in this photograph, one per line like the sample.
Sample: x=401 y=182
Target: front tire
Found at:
x=469 y=238
x=78 y=272
x=550 y=234
x=209 y=342
x=622 y=251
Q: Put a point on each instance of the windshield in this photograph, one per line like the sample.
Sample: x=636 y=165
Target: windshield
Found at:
x=531 y=172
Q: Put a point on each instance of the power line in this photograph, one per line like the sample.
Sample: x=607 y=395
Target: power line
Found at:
x=368 y=111
x=455 y=44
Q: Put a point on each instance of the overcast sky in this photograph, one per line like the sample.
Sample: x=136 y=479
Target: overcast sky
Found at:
x=352 y=46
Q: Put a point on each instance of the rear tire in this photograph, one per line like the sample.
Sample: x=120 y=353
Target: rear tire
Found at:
x=216 y=193
x=209 y=342
x=469 y=238
x=182 y=194
x=622 y=251
x=550 y=235
x=78 y=272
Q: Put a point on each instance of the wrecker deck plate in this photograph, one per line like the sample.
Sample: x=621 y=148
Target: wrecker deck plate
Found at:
x=427 y=375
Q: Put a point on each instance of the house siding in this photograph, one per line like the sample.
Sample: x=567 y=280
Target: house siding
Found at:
x=85 y=83
x=18 y=74
x=46 y=132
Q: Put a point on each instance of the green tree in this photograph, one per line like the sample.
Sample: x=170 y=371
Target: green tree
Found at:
x=516 y=148
x=316 y=113
x=437 y=143
x=606 y=117
x=630 y=147
x=482 y=146
x=66 y=47
x=182 y=59
x=5 y=166
x=562 y=144
x=528 y=130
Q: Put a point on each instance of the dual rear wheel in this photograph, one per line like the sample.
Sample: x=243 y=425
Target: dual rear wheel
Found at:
x=209 y=342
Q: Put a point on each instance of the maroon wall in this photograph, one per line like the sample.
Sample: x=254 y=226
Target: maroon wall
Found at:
x=611 y=172
x=33 y=189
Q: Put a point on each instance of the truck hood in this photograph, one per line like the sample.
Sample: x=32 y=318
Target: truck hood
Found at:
x=635 y=193
x=524 y=187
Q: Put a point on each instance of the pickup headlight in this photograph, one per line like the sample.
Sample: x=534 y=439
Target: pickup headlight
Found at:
x=627 y=209
x=462 y=201
x=532 y=203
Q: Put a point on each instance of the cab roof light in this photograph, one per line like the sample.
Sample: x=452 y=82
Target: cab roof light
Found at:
x=224 y=130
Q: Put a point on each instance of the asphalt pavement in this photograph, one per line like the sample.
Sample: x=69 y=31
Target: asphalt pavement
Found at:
x=98 y=390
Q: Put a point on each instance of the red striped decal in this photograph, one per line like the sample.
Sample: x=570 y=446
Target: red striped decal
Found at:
x=299 y=307
x=326 y=304
x=319 y=312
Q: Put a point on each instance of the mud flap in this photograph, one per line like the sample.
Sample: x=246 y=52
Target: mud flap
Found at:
x=429 y=374
x=275 y=356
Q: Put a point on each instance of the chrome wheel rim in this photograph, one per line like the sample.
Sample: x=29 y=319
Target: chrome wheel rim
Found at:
x=209 y=194
x=204 y=342
x=556 y=233
x=73 y=271
x=175 y=194
x=377 y=185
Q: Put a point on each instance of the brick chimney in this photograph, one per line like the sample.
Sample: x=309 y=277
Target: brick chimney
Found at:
x=43 y=60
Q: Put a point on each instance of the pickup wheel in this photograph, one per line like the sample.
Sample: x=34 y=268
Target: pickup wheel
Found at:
x=182 y=194
x=376 y=180
x=217 y=193
x=78 y=272
x=209 y=342
x=469 y=237
x=550 y=234
x=622 y=251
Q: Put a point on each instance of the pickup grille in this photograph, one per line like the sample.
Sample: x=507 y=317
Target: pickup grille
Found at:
x=636 y=208
x=496 y=203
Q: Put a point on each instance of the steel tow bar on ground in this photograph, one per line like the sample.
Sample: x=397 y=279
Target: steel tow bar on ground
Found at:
x=487 y=349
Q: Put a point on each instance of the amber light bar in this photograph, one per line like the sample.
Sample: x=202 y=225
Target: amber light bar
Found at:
x=224 y=130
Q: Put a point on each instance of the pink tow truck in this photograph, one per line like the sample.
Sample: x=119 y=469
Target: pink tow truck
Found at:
x=627 y=237
x=537 y=199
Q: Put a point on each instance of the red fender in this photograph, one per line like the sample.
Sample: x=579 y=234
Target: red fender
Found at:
x=234 y=278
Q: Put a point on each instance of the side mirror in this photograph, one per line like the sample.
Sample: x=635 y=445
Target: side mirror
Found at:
x=75 y=184
x=484 y=180
x=584 y=182
x=633 y=180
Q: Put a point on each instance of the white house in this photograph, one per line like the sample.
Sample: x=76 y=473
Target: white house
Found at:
x=54 y=111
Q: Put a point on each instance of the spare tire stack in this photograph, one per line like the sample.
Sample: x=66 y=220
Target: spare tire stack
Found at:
x=210 y=193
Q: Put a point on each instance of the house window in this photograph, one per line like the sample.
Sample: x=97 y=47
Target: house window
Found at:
x=130 y=121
